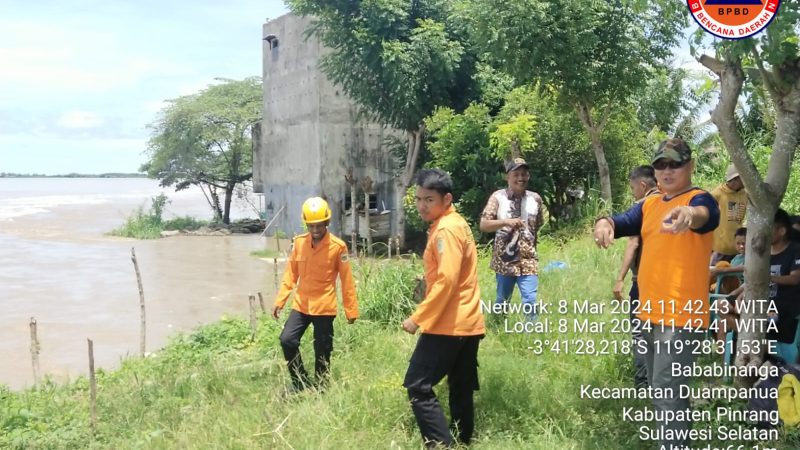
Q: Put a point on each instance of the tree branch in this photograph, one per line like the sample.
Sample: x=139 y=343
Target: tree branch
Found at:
x=766 y=76
x=606 y=116
x=731 y=78
x=414 y=146
x=712 y=64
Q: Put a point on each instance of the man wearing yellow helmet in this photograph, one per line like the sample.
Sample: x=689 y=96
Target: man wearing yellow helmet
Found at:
x=317 y=258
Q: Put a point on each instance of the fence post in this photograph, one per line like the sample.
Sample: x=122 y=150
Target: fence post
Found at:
x=351 y=180
x=275 y=273
x=366 y=185
x=261 y=302
x=143 y=323
x=92 y=387
x=253 y=316
x=35 y=351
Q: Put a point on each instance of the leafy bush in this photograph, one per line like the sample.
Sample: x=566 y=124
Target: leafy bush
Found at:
x=184 y=223
x=139 y=225
x=386 y=289
x=150 y=224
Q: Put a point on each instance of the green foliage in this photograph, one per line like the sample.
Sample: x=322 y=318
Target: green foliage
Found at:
x=627 y=146
x=710 y=169
x=662 y=99
x=398 y=60
x=560 y=159
x=204 y=139
x=144 y=225
x=184 y=223
x=385 y=289
x=513 y=137
x=554 y=145
x=761 y=72
x=459 y=144
x=595 y=53
x=493 y=85
x=150 y=224
x=413 y=220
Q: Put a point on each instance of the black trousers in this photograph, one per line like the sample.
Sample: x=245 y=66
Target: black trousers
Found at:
x=293 y=331
x=434 y=357
x=639 y=363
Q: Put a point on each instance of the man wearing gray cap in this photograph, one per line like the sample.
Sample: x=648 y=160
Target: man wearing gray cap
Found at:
x=732 y=200
x=515 y=215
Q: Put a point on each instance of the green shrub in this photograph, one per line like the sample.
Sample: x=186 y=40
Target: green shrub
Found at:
x=184 y=223
x=150 y=224
x=139 y=225
x=386 y=289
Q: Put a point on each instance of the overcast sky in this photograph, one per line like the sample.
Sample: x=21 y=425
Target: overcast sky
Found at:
x=81 y=79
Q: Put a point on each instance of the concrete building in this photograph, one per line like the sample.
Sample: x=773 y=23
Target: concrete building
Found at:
x=311 y=135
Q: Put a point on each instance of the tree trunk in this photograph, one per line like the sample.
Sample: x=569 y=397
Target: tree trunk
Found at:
x=764 y=195
x=595 y=130
x=215 y=203
x=759 y=238
x=403 y=182
x=226 y=214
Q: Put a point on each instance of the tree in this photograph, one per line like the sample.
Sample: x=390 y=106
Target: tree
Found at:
x=660 y=103
x=769 y=61
x=595 y=54
x=398 y=60
x=459 y=144
x=531 y=123
x=205 y=139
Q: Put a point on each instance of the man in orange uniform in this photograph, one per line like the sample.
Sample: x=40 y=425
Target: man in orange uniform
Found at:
x=317 y=258
x=676 y=228
x=449 y=316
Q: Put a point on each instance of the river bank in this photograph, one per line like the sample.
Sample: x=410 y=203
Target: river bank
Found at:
x=59 y=266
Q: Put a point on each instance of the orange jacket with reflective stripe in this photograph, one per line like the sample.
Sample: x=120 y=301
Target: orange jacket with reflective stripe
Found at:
x=452 y=299
x=313 y=270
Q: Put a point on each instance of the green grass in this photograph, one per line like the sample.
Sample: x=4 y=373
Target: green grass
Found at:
x=217 y=389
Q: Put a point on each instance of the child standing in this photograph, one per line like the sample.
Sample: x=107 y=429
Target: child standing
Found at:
x=735 y=266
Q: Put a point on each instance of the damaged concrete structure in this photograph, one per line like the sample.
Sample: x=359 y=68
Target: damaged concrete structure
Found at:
x=311 y=137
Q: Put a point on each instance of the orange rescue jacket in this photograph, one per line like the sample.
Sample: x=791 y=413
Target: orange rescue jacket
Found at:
x=313 y=270
x=452 y=299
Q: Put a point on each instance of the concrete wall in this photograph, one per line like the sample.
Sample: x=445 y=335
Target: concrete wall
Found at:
x=310 y=134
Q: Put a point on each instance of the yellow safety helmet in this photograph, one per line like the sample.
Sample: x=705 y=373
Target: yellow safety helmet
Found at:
x=316 y=210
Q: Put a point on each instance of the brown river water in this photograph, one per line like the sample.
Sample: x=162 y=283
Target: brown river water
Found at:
x=57 y=265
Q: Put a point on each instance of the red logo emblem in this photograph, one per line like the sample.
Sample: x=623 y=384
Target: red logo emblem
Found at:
x=733 y=19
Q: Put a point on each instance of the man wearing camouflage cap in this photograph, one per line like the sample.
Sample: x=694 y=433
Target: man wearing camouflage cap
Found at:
x=676 y=228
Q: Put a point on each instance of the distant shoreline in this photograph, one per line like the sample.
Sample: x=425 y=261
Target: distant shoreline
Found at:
x=74 y=175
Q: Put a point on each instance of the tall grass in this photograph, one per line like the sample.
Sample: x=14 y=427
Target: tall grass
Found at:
x=386 y=289
x=216 y=389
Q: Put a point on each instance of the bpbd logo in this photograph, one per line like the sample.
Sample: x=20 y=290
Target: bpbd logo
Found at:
x=733 y=19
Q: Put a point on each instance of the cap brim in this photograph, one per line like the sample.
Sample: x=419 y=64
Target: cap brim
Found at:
x=517 y=166
x=656 y=158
